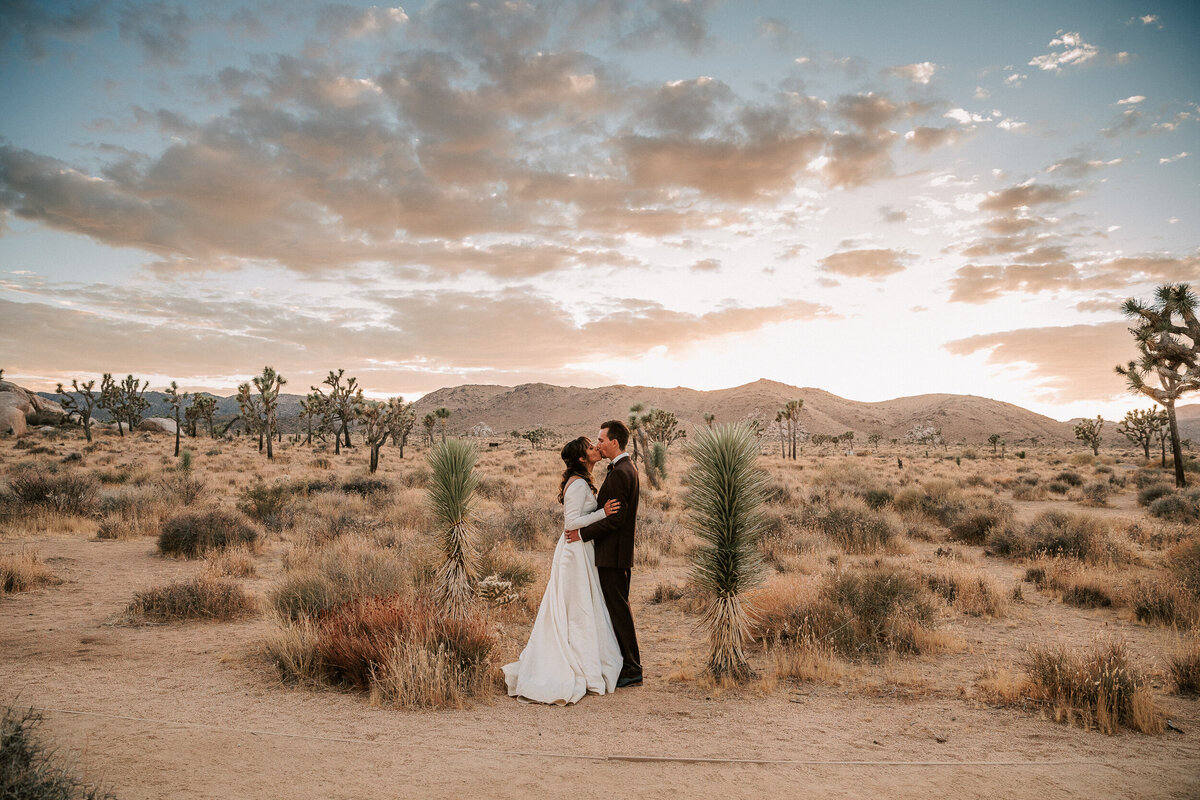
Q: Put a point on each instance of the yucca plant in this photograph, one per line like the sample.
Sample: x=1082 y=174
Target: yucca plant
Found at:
x=450 y=495
x=725 y=502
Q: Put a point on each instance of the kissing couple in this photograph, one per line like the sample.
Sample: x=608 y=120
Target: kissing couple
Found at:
x=583 y=639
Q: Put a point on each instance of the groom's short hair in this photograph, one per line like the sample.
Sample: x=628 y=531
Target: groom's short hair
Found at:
x=617 y=430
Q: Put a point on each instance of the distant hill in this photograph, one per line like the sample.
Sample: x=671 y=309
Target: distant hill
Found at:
x=571 y=409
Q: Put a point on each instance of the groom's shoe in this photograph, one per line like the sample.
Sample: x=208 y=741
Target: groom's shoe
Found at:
x=629 y=680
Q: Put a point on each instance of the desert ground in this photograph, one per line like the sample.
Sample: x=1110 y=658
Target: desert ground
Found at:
x=202 y=708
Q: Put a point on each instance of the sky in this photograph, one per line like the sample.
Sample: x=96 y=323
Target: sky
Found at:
x=877 y=199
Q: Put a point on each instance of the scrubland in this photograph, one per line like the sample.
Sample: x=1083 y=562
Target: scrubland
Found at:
x=963 y=624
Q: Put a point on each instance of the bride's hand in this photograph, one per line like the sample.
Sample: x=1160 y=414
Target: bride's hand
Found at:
x=611 y=507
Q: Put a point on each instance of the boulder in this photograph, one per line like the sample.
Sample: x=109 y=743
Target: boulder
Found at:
x=157 y=425
x=33 y=407
x=11 y=421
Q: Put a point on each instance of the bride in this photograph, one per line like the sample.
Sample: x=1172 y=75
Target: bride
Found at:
x=572 y=649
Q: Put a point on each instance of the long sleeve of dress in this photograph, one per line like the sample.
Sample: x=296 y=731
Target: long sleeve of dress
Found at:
x=576 y=503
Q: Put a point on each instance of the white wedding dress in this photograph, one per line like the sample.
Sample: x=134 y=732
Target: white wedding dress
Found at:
x=572 y=649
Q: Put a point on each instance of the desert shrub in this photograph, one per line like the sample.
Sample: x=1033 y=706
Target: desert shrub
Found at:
x=529 y=523
x=1183 y=561
x=1028 y=491
x=21 y=572
x=939 y=500
x=1096 y=493
x=336 y=574
x=1148 y=494
x=1164 y=601
x=1083 y=459
x=268 y=503
x=877 y=498
x=365 y=486
x=1099 y=687
x=1058 y=487
x=68 y=492
x=975 y=522
x=30 y=771
x=182 y=486
x=1070 y=478
x=415 y=479
x=863 y=611
x=206 y=597
x=112 y=476
x=1184 y=666
x=853 y=526
x=503 y=561
x=1177 y=506
x=406 y=650
x=498 y=488
x=1075 y=535
x=236 y=562
x=666 y=592
x=193 y=534
x=971 y=592
x=778 y=493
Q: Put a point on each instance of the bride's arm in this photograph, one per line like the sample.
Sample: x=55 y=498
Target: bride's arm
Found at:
x=574 y=502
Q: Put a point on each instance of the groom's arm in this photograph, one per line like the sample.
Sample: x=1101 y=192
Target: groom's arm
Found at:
x=622 y=489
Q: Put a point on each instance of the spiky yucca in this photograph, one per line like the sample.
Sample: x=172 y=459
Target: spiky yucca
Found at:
x=724 y=509
x=451 y=492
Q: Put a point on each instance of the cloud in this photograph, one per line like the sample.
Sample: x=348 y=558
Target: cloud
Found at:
x=1079 y=166
x=31 y=23
x=1137 y=98
x=889 y=214
x=1174 y=158
x=107 y=328
x=974 y=283
x=1071 y=50
x=1069 y=363
x=707 y=265
x=161 y=29
x=1026 y=196
x=921 y=73
x=926 y=139
x=873 y=264
x=348 y=22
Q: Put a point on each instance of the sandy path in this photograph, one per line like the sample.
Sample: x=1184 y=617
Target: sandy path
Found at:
x=220 y=725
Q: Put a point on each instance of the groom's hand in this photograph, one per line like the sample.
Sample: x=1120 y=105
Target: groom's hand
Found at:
x=572 y=536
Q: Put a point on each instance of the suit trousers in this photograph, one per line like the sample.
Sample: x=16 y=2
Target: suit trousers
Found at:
x=614 y=583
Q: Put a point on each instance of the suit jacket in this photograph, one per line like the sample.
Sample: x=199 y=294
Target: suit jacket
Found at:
x=613 y=536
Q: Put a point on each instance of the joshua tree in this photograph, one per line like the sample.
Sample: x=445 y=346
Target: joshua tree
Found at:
x=451 y=491
x=124 y=400
x=725 y=499
x=442 y=415
x=874 y=439
x=1170 y=350
x=206 y=407
x=175 y=399
x=1161 y=434
x=1088 y=432
x=536 y=436
x=709 y=418
x=641 y=445
x=1140 y=426
x=251 y=412
x=402 y=425
x=781 y=423
x=381 y=420
x=341 y=406
x=429 y=421
x=268 y=385
x=791 y=412
x=312 y=407
x=848 y=438
x=81 y=401
x=662 y=426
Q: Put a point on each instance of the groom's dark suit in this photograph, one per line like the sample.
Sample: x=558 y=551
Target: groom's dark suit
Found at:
x=613 y=538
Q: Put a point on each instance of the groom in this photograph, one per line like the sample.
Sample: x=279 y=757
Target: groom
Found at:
x=613 y=537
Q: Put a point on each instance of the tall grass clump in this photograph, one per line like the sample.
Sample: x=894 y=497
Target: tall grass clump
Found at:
x=724 y=509
x=351 y=567
x=1184 y=666
x=450 y=497
x=30 y=771
x=1098 y=687
x=1059 y=533
x=193 y=534
x=405 y=649
x=853 y=525
x=206 y=597
x=66 y=492
x=23 y=571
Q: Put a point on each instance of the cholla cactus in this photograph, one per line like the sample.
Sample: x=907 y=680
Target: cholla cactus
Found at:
x=496 y=591
x=725 y=501
x=451 y=492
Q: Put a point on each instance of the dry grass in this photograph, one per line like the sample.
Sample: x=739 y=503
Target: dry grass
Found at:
x=317 y=580
x=24 y=571
x=193 y=534
x=234 y=562
x=206 y=597
x=1184 y=665
x=1060 y=533
x=969 y=591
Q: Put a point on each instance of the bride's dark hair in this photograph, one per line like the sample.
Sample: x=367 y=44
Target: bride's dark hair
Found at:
x=572 y=452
